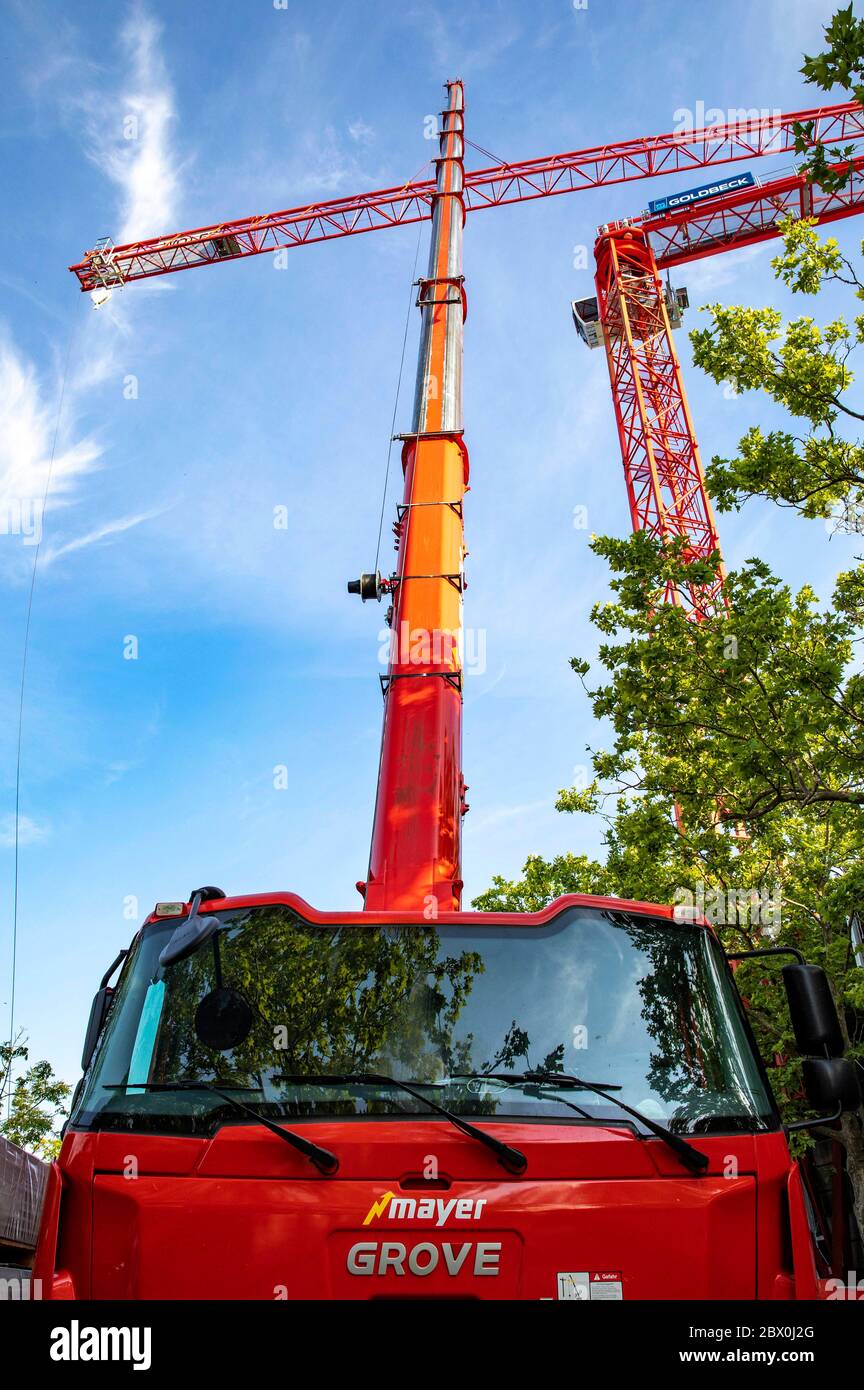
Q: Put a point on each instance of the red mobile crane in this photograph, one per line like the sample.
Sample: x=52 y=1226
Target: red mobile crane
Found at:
x=338 y=1104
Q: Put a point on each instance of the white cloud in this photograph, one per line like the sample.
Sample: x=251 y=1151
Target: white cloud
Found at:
x=498 y=816
x=322 y=165
x=115 y=771
x=28 y=831
x=146 y=172
x=360 y=131
x=28 y=420
x=449 y=38
x=27 y=426
x=714 y=272
x=101 y=533
x=130 y=138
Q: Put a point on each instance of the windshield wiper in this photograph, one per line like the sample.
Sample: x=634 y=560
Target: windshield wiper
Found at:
x=522 y=1076
x=512 y=1159
x=323 y=1159
x=691 y=1157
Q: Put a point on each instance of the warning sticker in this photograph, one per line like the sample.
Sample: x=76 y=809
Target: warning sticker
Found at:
x=588 y=1287
x=574 y=1286
x=607 y=1287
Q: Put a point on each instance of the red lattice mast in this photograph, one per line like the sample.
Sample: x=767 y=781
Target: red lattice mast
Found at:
x=662 y=469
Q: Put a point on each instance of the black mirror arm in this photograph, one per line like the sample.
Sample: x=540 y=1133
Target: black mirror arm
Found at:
x=103 y=983
x=812 y=1124
x=767 y=951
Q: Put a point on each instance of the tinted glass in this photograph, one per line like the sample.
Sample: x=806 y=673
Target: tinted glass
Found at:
x=630 y=1002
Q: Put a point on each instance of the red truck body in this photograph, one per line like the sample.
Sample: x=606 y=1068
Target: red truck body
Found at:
x=602 y=1211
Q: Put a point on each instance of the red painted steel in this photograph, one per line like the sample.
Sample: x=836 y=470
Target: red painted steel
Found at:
x=238 y=1215
x=645 y=157
x=415 y=858
x=662 y=469
x=745 y=219
x=415 y=916
x=665 y=482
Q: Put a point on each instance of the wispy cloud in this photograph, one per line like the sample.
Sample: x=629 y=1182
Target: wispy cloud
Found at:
x=127 y=133
x=502 y=814
x=117 y=770
x=29 y=832
x=323 y=163
x=130 y=135
x=28 y=419
x=28 y=414
x=705 y=276
x=361 y=132
x=449 y=38
x=101 y=533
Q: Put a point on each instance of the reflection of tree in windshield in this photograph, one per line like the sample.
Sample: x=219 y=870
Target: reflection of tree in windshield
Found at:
x=325 y=1001
x=436 y=1004
x=514 y=1054
x=686 y=1061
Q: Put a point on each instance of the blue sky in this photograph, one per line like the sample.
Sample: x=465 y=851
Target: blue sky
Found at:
x=196 y=404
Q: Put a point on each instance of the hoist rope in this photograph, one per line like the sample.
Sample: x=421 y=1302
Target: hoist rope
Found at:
x=398 y=393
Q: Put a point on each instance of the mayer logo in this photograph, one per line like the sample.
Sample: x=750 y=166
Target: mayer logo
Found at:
x=436 y=1209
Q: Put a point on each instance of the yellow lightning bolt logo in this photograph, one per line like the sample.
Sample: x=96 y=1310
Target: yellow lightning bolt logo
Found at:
x=378 y=1208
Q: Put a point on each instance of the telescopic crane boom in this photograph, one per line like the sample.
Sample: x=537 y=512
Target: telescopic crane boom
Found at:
x=416 y=838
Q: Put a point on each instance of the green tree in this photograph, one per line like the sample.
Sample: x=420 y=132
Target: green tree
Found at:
x=749 y=723
x=812 y=465
x=38 y=1100
x=815 y=468
x=336 y=996
x=841 y=64
x=746 y=722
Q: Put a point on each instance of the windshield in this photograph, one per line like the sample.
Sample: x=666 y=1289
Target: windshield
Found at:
x=634 y=1003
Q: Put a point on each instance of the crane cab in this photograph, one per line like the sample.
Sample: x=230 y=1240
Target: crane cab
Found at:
x=586 y=315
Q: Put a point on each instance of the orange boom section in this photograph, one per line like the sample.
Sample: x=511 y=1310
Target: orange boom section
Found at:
x=415 y=859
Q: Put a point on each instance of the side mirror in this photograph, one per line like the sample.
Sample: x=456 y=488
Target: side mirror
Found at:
x=99 y=1012
x=188 y=937
x=194 y=931
x=813 y=1012
x=831 y=1084
x=95 y=1023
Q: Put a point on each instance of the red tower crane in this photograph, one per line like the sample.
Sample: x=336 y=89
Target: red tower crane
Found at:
x=633 y=315
x=662 y=469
